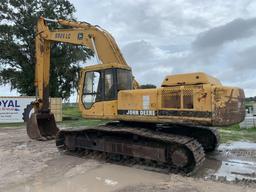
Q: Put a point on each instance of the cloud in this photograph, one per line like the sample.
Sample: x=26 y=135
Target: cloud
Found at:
x=234 y=30
x=159 y=38
x=139 y=51
x=142 y=56
x=163 y=37
x=241 y=69
x=246 y=59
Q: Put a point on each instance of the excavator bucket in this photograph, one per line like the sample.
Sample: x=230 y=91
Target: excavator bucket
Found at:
x=42 y=126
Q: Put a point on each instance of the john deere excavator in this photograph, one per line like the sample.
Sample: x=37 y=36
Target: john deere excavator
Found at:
x=172 y=126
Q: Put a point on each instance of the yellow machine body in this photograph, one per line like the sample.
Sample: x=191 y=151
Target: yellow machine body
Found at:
x=108 y=90
x=171 y=126
x=194 y=98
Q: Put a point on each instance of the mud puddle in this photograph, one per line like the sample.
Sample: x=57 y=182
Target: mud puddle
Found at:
x=232 y=162
x=74 y=174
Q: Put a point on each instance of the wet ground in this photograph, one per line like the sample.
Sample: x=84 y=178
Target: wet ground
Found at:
x=27 y=165
x=233 y=162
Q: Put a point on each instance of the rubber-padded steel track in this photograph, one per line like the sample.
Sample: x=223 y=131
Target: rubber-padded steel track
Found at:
x=173 y=152
x=208 y=137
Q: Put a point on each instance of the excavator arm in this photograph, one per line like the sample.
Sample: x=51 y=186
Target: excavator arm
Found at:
x=80 y=33
x=77 y=33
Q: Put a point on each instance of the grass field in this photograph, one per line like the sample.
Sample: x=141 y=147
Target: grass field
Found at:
x=228 y=134
x=234 y=133
x=72 y=118
x=4 y=125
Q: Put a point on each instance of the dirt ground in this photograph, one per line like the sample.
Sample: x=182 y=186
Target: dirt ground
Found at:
x=27 y=165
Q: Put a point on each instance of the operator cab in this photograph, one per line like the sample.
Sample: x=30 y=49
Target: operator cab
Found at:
x=101 y=83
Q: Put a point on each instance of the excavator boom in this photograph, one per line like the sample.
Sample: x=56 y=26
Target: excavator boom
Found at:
x=97 y=39
x=41 y=125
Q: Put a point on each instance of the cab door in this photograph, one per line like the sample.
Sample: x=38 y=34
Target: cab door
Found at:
x=110 y=94
x=92 y=96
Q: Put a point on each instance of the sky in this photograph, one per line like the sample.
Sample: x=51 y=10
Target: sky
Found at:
x=164 y=37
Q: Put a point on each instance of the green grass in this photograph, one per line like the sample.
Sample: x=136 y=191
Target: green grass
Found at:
x=80 y=122
x=71 y=111
x=228 y=134
x=72 y=118
x=12 y=125
x=235 y=133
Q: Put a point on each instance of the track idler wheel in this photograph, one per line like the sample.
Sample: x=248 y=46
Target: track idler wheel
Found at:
x=181 y=159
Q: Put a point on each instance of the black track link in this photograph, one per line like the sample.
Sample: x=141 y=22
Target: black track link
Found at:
x=201 y=133
x=191 y=144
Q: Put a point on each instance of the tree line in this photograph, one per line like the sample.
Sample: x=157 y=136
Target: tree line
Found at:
x=18 y=20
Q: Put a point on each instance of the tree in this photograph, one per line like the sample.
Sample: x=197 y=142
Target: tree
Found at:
x=249 y=99
x=18 y=20
x=147 y=86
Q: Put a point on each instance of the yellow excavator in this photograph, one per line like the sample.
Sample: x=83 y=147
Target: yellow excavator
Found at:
x=172 y=126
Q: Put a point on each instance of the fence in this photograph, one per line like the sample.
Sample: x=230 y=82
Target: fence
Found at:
x=56 y=108
x=249 y=122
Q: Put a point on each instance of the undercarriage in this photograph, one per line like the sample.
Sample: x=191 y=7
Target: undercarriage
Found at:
x=161 y=146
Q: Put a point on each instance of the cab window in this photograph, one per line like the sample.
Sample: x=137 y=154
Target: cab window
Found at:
x=109 y=88
x=124 y=79
x=92 y=88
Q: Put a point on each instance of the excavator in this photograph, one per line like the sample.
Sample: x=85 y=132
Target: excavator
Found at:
x=173 y=126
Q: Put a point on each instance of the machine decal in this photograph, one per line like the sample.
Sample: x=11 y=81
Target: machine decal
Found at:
x=198 y=114
x=202 y=114
x=146 y=101
x=80 y=36
x=137 y=112
x=62 y=35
